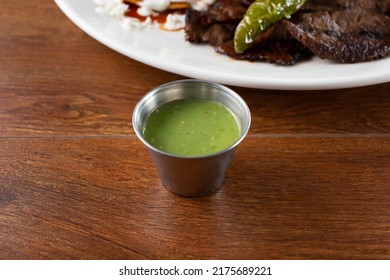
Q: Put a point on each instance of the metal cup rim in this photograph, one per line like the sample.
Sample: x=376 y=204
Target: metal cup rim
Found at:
x=157 y=90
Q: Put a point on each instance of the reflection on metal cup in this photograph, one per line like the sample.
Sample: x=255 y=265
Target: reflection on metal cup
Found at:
x=191 y=176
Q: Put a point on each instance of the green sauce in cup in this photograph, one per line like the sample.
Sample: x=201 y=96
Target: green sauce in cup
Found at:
x=191 y=127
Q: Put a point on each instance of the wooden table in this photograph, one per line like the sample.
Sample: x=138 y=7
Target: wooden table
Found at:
x=311 y=180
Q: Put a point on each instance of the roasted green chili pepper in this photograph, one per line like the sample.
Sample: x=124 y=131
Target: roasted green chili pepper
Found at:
x=260 y=15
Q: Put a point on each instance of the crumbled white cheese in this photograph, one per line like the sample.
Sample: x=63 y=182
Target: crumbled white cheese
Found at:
x=133 y=23
x=147 y=8
x=200 y=5
x=114 y=8
x=174 y=22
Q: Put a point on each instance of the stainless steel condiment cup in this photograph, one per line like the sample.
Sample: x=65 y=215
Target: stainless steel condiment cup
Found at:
x=191 y=176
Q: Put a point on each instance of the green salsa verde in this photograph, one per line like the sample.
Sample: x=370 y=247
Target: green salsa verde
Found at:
x=191 y=127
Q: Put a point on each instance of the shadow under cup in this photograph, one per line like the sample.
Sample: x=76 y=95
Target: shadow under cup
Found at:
x=191 y=176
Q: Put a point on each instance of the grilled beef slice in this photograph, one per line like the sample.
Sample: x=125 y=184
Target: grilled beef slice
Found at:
x=344 y=31
x=216 y=27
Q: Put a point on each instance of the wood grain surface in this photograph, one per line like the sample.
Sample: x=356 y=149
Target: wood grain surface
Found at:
x=310 y=181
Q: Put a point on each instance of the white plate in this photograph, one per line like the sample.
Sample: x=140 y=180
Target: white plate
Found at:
x=170 y=52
